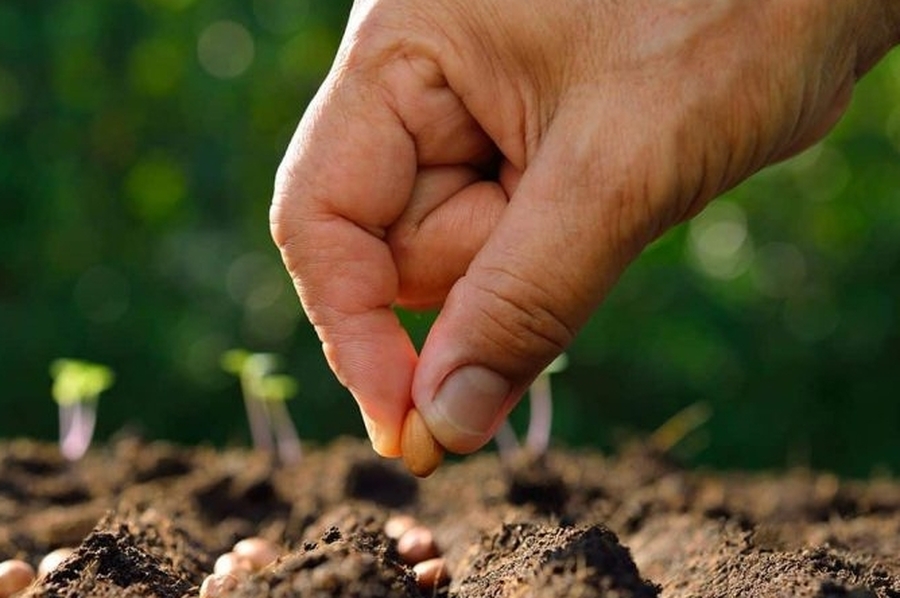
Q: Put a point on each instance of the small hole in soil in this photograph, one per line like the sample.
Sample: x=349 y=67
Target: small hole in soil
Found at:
x=71 y=496
x=253 y=500
x=534 y=483
x=164 y=467
x=380 y=483
x=37 y=466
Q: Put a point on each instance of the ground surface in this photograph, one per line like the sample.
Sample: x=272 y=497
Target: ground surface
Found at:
x=149 y=519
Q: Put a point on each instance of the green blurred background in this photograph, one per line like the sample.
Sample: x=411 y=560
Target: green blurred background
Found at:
x=138 y=143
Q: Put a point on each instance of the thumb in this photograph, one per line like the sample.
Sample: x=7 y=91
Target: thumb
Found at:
x=555 y=251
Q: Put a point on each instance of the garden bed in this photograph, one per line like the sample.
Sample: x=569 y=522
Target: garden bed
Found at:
x=150 y=519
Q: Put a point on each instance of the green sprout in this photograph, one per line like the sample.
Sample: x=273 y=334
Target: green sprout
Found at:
x=540 y=402
x=264 y=395
x=76 y=387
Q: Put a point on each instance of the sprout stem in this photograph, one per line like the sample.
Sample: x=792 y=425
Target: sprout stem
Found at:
x=256 y=415
x=541 y=406
x=540 y=399
x=507 y=443
x=76 y=428
x=286 y=437
x=264 y=395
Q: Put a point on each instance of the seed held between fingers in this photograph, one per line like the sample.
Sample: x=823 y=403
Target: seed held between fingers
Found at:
x=421 y=452
x=15 y=576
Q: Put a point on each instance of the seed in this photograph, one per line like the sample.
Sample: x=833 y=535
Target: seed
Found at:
x=232 y=564
x=52 y=560
x=398 y=525
x=15 y=576
x=258 y=551
x=431 y=574
x=417 y=545
x=421 y=452
x=217 y=585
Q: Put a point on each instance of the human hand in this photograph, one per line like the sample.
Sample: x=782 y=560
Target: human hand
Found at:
x=506 y=161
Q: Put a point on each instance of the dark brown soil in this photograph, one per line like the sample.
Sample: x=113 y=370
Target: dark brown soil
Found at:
x=149 y=519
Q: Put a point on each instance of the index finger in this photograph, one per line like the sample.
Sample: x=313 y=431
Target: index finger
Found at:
x=347 y=175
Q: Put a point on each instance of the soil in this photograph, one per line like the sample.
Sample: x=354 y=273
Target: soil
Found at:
x=150 y=518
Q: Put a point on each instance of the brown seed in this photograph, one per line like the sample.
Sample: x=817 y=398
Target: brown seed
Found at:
x=431 y=574
x=231 y=563
x=52 y=560
x=417 y=545
x=421 y=452
x=258 y=551
x=397 y=525
x=218 y=585
x=15 y=576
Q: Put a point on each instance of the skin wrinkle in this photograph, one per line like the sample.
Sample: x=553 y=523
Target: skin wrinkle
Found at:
x=411 y=221
x=537 y=320
x=393 y=84
x=517 y=344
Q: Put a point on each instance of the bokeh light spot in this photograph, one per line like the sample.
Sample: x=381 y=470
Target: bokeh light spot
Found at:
x=720 y=244
x=225 y=49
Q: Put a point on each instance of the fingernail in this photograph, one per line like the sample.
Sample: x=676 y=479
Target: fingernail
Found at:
x=466 y=406
x=376 y=435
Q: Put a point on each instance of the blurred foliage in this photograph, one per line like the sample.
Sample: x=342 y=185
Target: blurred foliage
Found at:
x=138 y=142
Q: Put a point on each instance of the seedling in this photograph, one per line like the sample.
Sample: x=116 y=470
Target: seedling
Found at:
x=264 y=399
x=76 y=387
x=540 y=401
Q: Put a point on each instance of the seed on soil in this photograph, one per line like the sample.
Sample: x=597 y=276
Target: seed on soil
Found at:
x=398 y=525
x=232 y=564
x=258 y=551
x=15 y=576
x=52 y=560
x=417 y=545
x=431 y=574
x=218 y=585
x=421 y=452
